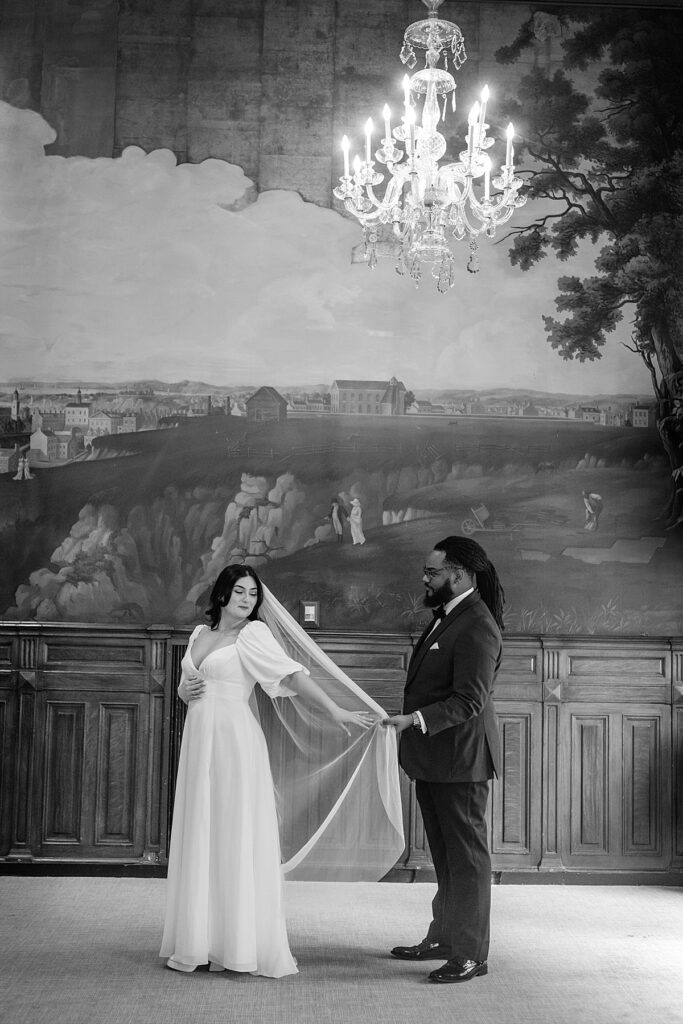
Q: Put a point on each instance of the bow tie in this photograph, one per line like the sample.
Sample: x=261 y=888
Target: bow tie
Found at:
x=437 y=613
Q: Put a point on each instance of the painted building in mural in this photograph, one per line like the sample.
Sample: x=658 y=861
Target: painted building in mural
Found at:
x=76 y=414
x=368 y=397
x=643 y=416
x=9 y=459
x=267 y=404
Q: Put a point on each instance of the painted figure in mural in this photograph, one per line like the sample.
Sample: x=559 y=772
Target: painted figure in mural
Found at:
x=593 y=504
x=224 y=895
x=23 y=469
x=356 y=521
x=449 y=744
x=337 y=516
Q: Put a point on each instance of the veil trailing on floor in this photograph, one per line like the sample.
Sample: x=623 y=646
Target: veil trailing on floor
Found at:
x=338 y=796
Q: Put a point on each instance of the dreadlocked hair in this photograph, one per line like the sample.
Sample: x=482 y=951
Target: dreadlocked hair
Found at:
x=463 y=553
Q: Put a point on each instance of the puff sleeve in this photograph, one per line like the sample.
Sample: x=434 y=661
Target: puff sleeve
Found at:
x=263 y=659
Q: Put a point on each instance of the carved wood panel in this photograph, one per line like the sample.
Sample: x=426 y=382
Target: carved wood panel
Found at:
x=7 y=704
x=618 y=674
x=63 y=772
x=23 y=775
x=615 y=782
x=645 y=785
x=516 y=795
x=116 y=775
x=677 y=765
x=589 y=782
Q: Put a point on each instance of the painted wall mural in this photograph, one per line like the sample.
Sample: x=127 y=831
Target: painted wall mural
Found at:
x=194 y=373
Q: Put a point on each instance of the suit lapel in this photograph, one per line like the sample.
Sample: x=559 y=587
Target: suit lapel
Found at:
x=421 y=647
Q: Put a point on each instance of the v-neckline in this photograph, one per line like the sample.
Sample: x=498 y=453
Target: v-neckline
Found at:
x=214 y=650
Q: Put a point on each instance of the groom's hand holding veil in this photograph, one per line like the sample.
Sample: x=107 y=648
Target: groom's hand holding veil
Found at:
x=399 y=722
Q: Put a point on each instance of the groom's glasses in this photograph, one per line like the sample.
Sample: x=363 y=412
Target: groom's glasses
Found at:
x=431 y=573
x=428 y=571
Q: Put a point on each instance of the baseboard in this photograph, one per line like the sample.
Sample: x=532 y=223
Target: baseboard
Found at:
x=139 y=869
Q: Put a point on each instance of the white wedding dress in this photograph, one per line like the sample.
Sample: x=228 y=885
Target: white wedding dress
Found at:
x=224 y=890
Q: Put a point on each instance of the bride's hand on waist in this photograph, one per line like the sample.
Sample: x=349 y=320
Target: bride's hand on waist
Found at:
x=191 y=688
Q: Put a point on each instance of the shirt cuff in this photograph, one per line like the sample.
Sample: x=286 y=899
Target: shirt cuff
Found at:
x=423 y=727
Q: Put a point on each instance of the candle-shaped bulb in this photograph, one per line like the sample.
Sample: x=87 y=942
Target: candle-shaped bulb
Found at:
x=487 y=180
x=345 y=150
x=484 y=101
x=510 y=133
x=356 y=165
x=472 y=122
x=386 y=114
x=368 y=140
x=410 y=124
x=406 y=92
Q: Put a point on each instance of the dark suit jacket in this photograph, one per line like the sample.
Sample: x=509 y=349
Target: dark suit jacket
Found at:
x=450 y=680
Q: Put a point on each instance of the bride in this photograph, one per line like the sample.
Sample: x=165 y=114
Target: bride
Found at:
x=333 y=784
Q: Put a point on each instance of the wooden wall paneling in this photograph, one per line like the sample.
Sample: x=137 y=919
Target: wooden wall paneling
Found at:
x=377 y=664
x=554 y=675
x=521 y=671
x=6 y=759
x=107 y=661
x=646 y=757
x=677 y=772
x=551 y=809
x=517 y=794
x=515 y=802
x=25 y=653
x=617 y=671
x=8 y=713
x=23 y=796
x=587 y=768
x=592 y=733
x=94 y=685
x=118 y=756
x=159 y=710
x=62 y=773
x=677 y=752
x=177 y=712
x=614 y=766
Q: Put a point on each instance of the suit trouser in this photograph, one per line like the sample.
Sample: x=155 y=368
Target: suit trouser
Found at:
x=454 y=820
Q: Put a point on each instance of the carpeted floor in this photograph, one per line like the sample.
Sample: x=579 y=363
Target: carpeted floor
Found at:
x=83 y=951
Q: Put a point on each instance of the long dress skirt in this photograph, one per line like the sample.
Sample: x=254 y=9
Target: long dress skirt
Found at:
x=225 y=892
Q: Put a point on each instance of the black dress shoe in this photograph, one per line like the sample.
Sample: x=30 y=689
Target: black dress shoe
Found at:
x=459 y=970
x=424 y=950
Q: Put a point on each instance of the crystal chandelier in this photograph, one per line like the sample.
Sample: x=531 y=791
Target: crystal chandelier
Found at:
x=426 y=203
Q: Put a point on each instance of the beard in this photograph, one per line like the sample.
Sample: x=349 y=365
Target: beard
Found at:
x=440 y=595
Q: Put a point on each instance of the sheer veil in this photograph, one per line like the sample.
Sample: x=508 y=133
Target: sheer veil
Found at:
x=338 y=796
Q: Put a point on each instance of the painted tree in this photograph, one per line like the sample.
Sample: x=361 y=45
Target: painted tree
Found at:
x=609 y=169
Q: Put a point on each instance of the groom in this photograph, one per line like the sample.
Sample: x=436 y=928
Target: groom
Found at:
x=449 y=744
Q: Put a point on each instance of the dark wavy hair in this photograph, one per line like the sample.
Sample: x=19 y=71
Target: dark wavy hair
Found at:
x=223 y=587
x=463 y=553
